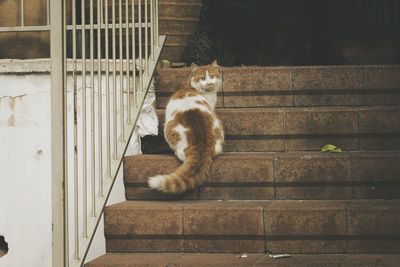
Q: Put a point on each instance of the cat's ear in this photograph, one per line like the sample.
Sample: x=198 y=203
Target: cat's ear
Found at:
x=214 y=63
x=194 y=67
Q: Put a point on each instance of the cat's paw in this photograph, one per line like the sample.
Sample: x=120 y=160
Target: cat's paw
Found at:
x=218 y=148
x=157 y=182
x=180 y=153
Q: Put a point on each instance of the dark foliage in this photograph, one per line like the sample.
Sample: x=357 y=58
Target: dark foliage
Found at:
x=289 y=32
x=200 y=49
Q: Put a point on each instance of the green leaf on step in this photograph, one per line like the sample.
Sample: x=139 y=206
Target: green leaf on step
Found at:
x=331 y=148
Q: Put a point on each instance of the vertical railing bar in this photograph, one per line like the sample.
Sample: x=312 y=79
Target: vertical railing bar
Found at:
x=134 y=53
x=84 y=140
x=146 y=37
x=58 y=134
x=101 y=14
x=100 y=98
x=48 y=12
x=100 y=19
x=152 y=29
x=22 y=14
x=114 y=80
x=140 y=47
x=128 y=72
x=75 y=122
x=157 y=29
x=92 y=111
x=65 y=92
x=121 y=73
x=108 y=120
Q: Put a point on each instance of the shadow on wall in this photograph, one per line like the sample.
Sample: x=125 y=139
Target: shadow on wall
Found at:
x=3 y=246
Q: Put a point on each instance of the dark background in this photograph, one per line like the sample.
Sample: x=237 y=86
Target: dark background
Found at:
x=297 y=32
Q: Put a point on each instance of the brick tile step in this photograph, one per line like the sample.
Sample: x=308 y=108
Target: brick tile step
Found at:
x=168 y=10
x=294 y=86
x=214 y=260
x=179 y=10
x=301 y=129
x=279 y=226
x=265 y=176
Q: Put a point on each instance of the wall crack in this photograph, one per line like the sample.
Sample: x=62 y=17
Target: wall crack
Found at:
x=12 y=97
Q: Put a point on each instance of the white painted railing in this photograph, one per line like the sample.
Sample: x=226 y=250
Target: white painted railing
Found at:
x=102 y=66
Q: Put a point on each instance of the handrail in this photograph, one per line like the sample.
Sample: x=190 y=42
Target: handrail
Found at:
x=97 y=105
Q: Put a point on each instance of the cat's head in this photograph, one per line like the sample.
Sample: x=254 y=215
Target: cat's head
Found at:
x=206 y=79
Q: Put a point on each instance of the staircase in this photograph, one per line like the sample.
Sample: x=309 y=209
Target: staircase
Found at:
x=273 y=191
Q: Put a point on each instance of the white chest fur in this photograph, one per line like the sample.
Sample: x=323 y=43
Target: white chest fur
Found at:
x=211 y=98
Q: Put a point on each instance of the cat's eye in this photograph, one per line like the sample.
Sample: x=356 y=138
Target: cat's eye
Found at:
x=203 y=79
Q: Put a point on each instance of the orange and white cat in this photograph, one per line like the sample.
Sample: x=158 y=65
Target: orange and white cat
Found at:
x=192 y=130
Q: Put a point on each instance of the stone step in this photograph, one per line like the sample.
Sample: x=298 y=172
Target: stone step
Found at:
x=264 y=176
x=238 y=260
x=279 y=226
x=294 y=86
x=301 y=129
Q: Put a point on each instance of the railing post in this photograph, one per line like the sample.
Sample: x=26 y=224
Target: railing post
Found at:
x=57 y=132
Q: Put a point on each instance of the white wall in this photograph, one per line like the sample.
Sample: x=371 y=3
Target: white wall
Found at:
x=25 y=184
x=25 y=173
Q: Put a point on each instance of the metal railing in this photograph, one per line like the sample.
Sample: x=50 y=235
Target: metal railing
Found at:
x=98 y=88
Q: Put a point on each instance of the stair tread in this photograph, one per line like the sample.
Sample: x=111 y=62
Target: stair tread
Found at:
x=278 y=226
x=255 y=86
x=272 y=166
x=276 y=175
x=301 y=129
x=371 y=204
x=294 y=78
x=283 y=154
x=208 y=259
x=321 y=108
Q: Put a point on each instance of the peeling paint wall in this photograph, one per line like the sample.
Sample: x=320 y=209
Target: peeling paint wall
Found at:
x=25 y=184
x=25 y=172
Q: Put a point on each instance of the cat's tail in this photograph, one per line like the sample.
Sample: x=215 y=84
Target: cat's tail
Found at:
x=186 y=177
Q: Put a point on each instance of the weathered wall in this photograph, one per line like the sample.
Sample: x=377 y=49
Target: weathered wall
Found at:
x=25 y=166
x=25 y=184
